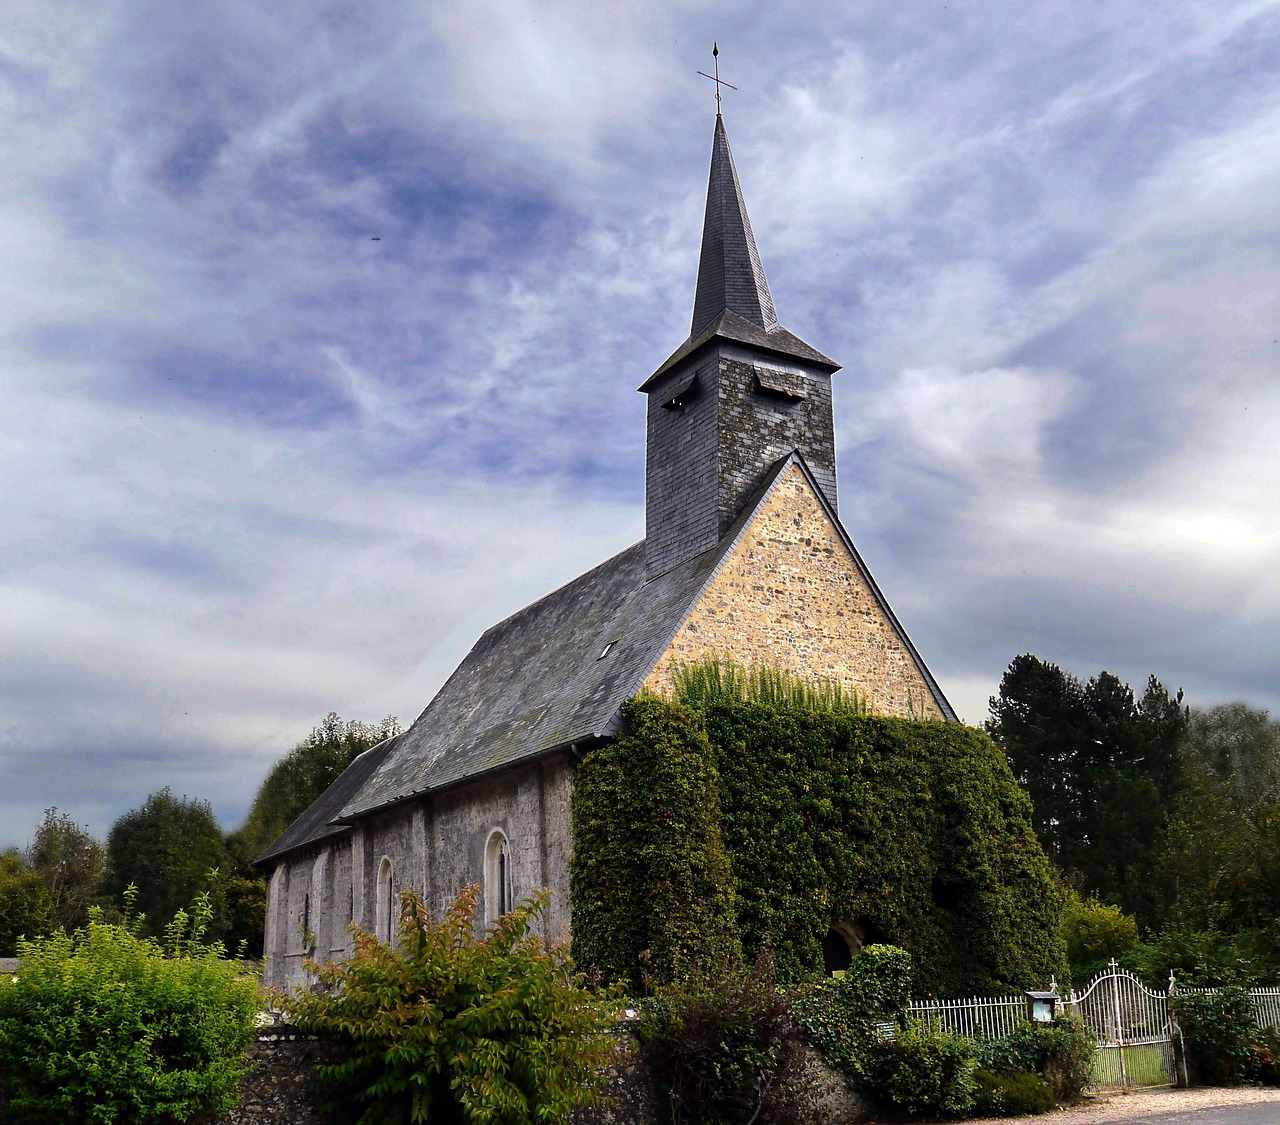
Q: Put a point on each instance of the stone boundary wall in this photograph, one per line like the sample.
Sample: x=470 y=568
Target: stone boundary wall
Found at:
x=278 y=1092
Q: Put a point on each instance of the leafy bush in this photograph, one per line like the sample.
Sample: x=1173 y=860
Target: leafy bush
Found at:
x=1094 y=932
x=108 y=1025
x=446 y=1028
x=723 y=1049
x=1202 y=958
x=1011 y=1095
x=24 y=902
x=1217 y=1031
x=838 y=1014
x=1061 y=1052
x=1264 y=1057
x=923 y=1072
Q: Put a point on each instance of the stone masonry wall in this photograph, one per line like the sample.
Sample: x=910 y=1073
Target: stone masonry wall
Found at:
x=790 y=595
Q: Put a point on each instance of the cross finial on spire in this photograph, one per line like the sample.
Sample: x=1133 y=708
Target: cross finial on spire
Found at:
x=715 y=54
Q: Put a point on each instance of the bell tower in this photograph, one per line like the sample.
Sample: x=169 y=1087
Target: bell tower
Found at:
x=737 y=396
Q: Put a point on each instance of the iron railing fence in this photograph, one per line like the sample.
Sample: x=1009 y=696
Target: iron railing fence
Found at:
x=978 y=1017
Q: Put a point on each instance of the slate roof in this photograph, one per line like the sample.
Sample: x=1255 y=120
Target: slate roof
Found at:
x=318 y=822
x=538 y=681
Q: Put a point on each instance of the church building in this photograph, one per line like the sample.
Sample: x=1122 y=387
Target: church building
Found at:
x=744 y=556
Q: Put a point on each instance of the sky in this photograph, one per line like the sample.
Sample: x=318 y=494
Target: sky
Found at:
x=321 y=326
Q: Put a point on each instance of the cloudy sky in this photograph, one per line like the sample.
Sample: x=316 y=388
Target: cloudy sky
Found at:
x=258 y=466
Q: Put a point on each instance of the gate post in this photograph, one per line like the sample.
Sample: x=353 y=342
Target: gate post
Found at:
x=1177 y=1048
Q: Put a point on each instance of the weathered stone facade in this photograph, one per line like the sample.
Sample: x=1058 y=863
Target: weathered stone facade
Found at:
x=435 y=846
x=791 y=595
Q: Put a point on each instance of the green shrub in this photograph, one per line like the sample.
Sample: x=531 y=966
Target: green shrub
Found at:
x=1201 y=958
x=839 y=1014
x=1061 y=1052
x=1094 y=932
x=1217 y=1031
x=1011 y=1095
x=647 y=832
x=108 y=1025
x=723 y=1049
x=1264 y=1057
x=923 y=1072
x=448 y=1028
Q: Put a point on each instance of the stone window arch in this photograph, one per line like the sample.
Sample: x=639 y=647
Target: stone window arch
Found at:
x=384 y=906
x=498 y=883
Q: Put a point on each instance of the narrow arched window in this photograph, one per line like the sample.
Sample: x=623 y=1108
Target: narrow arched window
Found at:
x=384 y=922
x=498 y=899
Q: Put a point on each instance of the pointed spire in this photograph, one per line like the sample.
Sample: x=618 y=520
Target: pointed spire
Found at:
x=730 y=276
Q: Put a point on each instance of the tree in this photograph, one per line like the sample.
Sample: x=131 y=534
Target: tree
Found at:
x=298 y=778
x=166 y=849
x=24 y=902
x=1221 y=856
x=1101 y=767
x=70 y=862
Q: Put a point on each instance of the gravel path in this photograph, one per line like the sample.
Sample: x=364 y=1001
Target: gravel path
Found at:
x=1147 y=1103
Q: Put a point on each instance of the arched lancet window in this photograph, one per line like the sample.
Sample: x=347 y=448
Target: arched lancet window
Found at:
x=497 y=876
x=384 y=921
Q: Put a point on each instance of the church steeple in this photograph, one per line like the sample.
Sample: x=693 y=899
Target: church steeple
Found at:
x=737 y=396
x=730 y=276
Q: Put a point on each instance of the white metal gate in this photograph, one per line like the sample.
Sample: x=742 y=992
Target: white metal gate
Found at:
x=1133 y=1029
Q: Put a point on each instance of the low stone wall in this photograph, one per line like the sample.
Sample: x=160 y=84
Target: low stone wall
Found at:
x=278 y=1089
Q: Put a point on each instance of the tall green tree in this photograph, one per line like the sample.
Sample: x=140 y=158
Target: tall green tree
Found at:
x=71 y=863
x=1221 y=856
x=298 y=778
x=166 y=849
x=24 y=902
x=1102 y=768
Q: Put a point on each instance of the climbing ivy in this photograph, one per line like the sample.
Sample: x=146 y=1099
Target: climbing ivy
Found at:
x=913 y=831
x=650 y=874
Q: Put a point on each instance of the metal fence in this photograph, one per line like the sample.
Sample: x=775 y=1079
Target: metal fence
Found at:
x=979 y=1017
x=1131 y=1023
x=1266 y=1006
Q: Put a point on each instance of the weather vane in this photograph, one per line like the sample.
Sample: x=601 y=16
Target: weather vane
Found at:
x=715 y=54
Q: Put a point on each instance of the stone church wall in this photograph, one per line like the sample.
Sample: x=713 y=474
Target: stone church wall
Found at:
x=790 y=595
x=530 y=806
x=435 y=846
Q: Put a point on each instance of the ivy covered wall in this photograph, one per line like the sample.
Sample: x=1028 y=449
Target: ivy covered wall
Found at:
x=779 y=823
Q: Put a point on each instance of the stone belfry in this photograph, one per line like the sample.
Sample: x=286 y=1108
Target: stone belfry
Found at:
x=738 y=395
